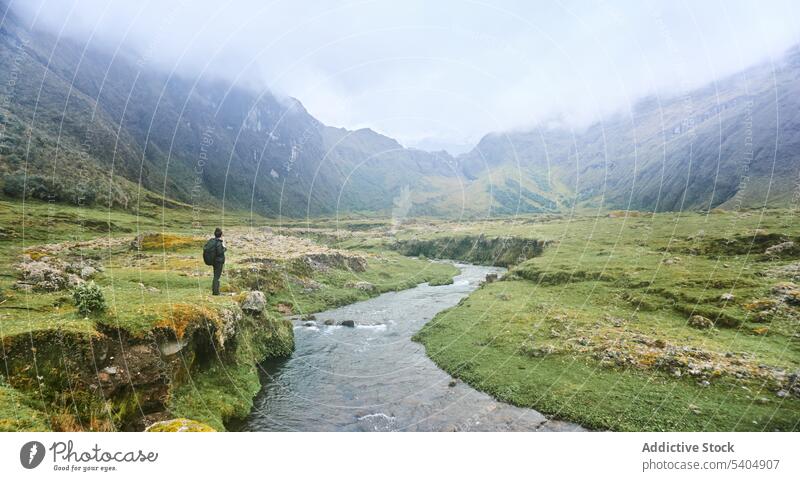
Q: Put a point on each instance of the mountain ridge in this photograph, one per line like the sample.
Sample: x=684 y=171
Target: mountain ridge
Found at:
x=79 y=121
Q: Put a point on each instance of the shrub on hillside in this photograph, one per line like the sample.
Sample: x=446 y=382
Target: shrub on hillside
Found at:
x=39 y=187
x=31 y=186
x=89 y=299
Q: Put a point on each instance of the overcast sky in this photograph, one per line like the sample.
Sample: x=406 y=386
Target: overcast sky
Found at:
x=441 y=73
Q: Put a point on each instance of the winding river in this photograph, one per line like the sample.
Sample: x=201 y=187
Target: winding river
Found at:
x=372 y=377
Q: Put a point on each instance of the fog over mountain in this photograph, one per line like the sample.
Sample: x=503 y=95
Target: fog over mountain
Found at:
x=300 y=114
x=452 y=70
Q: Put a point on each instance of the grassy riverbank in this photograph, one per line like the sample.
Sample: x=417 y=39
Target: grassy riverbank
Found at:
x=162 y=347
x=624 y=321
x=665 y=322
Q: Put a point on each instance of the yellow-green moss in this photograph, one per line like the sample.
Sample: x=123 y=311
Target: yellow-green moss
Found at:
x=180 y=317
x=180 y=425
x=166 y=241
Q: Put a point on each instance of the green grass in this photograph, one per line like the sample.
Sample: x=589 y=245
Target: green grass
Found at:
x=389 y=272
x=141 y=291
x=163 y=285
x=638 y=279
x=18 y=412
x=480 y=342
x=532 y=340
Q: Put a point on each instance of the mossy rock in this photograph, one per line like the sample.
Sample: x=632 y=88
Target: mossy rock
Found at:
x=179 y=425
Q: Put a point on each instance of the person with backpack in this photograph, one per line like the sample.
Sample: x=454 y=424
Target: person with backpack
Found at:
x=214 y=255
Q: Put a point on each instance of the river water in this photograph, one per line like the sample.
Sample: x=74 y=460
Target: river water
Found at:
x=372 y=377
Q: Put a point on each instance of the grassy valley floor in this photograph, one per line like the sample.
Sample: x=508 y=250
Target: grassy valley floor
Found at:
x=637 y=322
x=623 y=321
x=163 y=347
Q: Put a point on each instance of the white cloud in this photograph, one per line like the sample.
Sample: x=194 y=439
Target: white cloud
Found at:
x=449 y=70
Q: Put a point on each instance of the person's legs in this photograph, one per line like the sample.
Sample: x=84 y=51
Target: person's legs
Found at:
x=215 y=282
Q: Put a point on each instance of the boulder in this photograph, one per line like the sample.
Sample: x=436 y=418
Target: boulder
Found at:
x=784 y=288
x=348 y=323
x=491 y=277
x=361 y=286
x=779 y=249
x=700 y=322
x=539 y=351
x=254 y=302
x=87 y=272
x=170 y=348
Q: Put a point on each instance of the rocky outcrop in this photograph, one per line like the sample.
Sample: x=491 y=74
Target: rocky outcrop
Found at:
x=779 y=250
x=264 y=247
x=787 y=292
x=282 y=260
x=791 y=271
x=705 y=366
x=103 y=368
x=47 y=273
x=129 y=380
x=770 y=245
x=700 y=322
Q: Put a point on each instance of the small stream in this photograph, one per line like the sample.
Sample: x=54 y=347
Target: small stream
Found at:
x=372 y=377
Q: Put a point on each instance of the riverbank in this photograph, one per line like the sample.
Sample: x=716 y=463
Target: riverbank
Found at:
x=626 y=321
x=370 y=376
x=162 y=347
x=646 y=323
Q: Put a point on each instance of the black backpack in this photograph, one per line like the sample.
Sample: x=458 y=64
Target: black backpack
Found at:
x=210 y=252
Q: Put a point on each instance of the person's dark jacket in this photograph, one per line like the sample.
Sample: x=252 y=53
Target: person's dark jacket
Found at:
x=220 y=249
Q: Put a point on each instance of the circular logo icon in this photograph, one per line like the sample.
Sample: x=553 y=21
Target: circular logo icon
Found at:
x=31 y=454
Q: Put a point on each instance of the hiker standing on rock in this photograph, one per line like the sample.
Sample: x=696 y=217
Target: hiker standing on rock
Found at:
x=214 y=255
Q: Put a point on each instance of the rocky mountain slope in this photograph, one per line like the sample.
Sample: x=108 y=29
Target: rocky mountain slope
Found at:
x=83 y=122
x=82 y=125
x=732 y=143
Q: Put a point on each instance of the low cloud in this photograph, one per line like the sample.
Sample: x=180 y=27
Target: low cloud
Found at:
x=440 y=74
